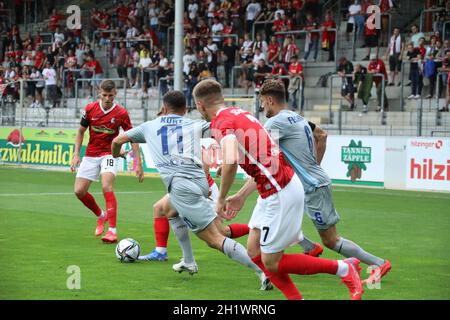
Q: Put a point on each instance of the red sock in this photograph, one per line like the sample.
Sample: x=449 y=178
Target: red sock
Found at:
x=281 y=280
x=161 y=228
x=111 y=208
x=303 y=264
x=238 y=230
x=89 y=201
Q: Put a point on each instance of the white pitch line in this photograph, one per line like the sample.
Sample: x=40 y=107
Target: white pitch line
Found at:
x=67 y=193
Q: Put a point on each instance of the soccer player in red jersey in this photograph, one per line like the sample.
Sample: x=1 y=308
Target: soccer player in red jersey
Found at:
x=103 y=118
x=277 y=218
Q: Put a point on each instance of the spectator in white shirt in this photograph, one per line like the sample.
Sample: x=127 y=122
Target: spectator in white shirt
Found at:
x=217 y=29
x=193 y=9
x=252 y=12
x=49 y=75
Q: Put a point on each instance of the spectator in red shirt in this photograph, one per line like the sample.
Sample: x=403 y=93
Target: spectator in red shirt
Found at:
x=39 y=59
x=290 y=50
x=312 y=38
x=279 y=26
x=53 y=23
x=422 y=49
x=371 y=38
x=279 y=70
x=329 y=37
x=274 y=50
x=377 y=66
x=94 y=67
x=296 y=82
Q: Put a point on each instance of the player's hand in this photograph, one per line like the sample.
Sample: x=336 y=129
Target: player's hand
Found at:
x=233 y=205
x=123 y=154
x=220 y=209
x=75 y=163
x=140 y=173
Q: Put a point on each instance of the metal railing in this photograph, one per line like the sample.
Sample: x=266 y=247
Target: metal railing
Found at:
x=99 y=31
x=46 y=34
x=93 y=79
x=321 y=31
x=257 y=23
x=427 y=11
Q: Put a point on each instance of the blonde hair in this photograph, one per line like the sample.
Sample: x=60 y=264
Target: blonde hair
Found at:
x=209 y=91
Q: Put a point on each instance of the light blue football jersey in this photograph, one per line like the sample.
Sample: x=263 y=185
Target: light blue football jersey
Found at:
x=174 y=145
x=296 y=140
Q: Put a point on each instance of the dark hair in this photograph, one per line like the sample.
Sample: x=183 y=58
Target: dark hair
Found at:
x=175 y=100
x=275 y=89
x=107 y=85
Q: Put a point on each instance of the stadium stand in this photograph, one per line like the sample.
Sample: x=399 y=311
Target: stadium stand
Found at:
x=227 y=39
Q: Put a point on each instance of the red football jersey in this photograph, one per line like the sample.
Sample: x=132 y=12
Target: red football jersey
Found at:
x=103 y=127
x=259 y=156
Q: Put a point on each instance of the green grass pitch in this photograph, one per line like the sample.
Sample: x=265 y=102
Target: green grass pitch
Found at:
x=44 y=229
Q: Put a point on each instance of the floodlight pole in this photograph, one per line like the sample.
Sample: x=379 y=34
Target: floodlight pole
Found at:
x=178 y=45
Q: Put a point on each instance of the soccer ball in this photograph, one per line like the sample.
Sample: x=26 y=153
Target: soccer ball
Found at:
x=128 y=250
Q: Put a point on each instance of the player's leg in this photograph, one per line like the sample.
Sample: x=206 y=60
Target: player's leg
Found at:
x=111 y=206
x=108 y=176
x=161 y=230
x=87 y=172
x=235 y=230
x=281 y=226
x=321 y=210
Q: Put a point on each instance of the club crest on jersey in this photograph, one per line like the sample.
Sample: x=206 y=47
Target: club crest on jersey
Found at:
x=113 y=120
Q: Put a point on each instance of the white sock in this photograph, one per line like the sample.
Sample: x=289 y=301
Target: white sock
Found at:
x=113 y=230
x=102 y=215
x=161 y=250
x=342 y=269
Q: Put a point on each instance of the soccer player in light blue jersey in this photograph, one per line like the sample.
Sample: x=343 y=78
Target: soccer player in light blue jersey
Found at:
x=296 y=137
x=173 y=142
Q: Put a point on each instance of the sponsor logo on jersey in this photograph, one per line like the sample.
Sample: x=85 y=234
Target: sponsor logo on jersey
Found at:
x=355 y=156
x=103 y=129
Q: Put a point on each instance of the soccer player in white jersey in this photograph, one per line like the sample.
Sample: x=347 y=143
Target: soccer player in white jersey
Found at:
x=174 y=145
x=295 y=137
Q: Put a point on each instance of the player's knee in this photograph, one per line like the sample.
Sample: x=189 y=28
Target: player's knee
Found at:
x=107 y=189
x=253 y=252
x=80 y=193
x=271 y=265
x=158 y=210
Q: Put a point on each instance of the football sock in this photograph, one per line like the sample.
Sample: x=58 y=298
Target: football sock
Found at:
x=161 y=229
x=303 y=264
x=111 y=208
x=181 y=231
x=350 y=249
x=237 y=252
x=113 y=230
x=102 y=215
x=307 y=244
x=89 y=201
x=162 y=250
x=238 y=230
x=342 y=269
x=280 y=280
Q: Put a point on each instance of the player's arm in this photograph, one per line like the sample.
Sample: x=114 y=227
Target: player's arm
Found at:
x=138 y=161
x=230 y=156
x=78 y=142
x=320 y=138
x=116 y=146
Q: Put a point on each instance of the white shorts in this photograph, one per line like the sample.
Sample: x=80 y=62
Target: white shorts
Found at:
x=214 y=194
x=91 y=168
x=279 y=217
